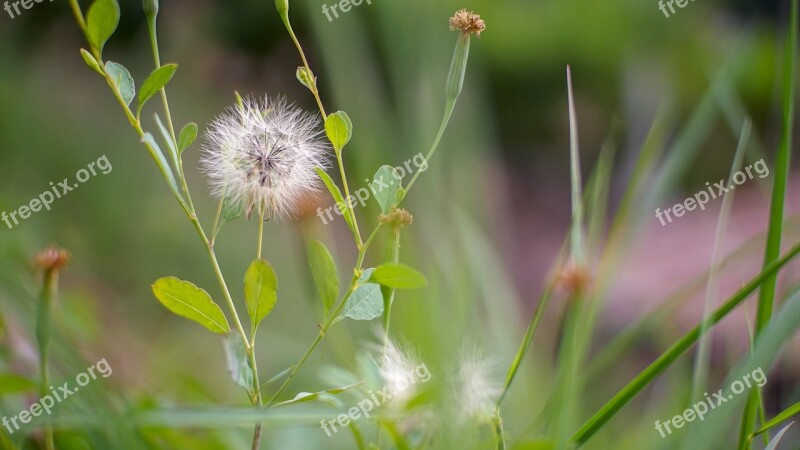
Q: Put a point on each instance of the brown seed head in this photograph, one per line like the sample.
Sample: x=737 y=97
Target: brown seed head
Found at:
x=397 y=217
x=467 y=22
x=52 y=258
x=574 y=279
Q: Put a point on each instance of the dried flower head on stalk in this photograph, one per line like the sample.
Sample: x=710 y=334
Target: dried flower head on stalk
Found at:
x=52 y=258
x=263 y=154
x=467 y=22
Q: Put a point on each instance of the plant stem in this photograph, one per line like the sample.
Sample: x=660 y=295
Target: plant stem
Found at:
x=43 y=331
x=262 y=211
x=394 y=256
x=328 y=321
x=448 y=113
x=351 y=210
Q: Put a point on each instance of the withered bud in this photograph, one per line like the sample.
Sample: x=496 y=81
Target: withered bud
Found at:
x=397 y=217
x=467 y=22
x=52 y=258
x=574 y=279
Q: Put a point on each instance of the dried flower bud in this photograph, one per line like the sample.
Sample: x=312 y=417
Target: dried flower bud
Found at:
x=150 y=8
x=467 y=22
x=397 y=217
x=52 y=258
x=574 y=279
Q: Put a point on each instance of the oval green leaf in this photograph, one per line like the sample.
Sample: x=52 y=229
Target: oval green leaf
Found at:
x=154 y=83
x=122 y=79
x=399 y=276
x=189 y=301
x=365 y=303
x=101 y=22
x=238 y=363
x=385 y=187
x=260 y=290
x=339 y=129
x=323 y=270
x=187 y=136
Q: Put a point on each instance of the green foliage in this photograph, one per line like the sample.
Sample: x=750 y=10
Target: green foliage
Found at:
x=91 y=62
x=154 y=83
x=239 y=366
x=366 y=301
x=101 y=22
x=399 y=276
x=187 y=136
x=337 y=197
x=339 y=129
x=187 y=300
x=14 y=384
x=122 y=80
x=324 y=396
x=260 y=291
x=386 y=186
x=323 y=270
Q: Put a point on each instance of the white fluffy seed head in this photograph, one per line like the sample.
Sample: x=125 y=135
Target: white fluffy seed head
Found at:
x=264 y=153
x=477 y=384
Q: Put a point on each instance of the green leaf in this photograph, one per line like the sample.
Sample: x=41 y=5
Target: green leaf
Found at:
x=309 y=396
x=14 y=384
x=399 y=276
x=337 y=197
x=101 y=22
x=122 y=80
x=173 y=150
x=187 y=136
x=260 y=290
x=166 y=170
x=91 y=62
x=782 y=417
x=339 y=129
x=154 y=83
x=366 y=301
x=187 y=300
x=238 y=363
x=385 y=187
x=323 y=269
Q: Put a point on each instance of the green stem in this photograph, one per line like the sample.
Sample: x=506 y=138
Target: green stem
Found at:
x=497 y=426
x=262 y=211
x=329 y=320
x=43 y=332
x=448 y=113
x=394 y=256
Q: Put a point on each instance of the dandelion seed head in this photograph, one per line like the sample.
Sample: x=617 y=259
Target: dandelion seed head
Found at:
x=397 y=366
x=478 y=388
x=263 y=153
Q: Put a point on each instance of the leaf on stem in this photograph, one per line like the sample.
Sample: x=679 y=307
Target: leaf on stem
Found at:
x=150 y=141
x=154 y=83
x=101 y=22
x=187 y=300
x=238 y=363
x=323 y=270
x=366 y=301
x=339 y=129
x=386 y=185
x=399 y=276
x=322 y=395
x=187 y=136
x=122 y=79
x=260 y=290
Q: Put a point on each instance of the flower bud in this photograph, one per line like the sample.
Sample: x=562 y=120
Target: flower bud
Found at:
x=150 y=8
x=282 y=7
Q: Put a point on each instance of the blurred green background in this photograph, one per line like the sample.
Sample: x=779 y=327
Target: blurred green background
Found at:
x=490 y=213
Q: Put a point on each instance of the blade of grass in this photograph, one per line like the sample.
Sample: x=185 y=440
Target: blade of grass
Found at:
x=766 y=297
x=677 y=349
